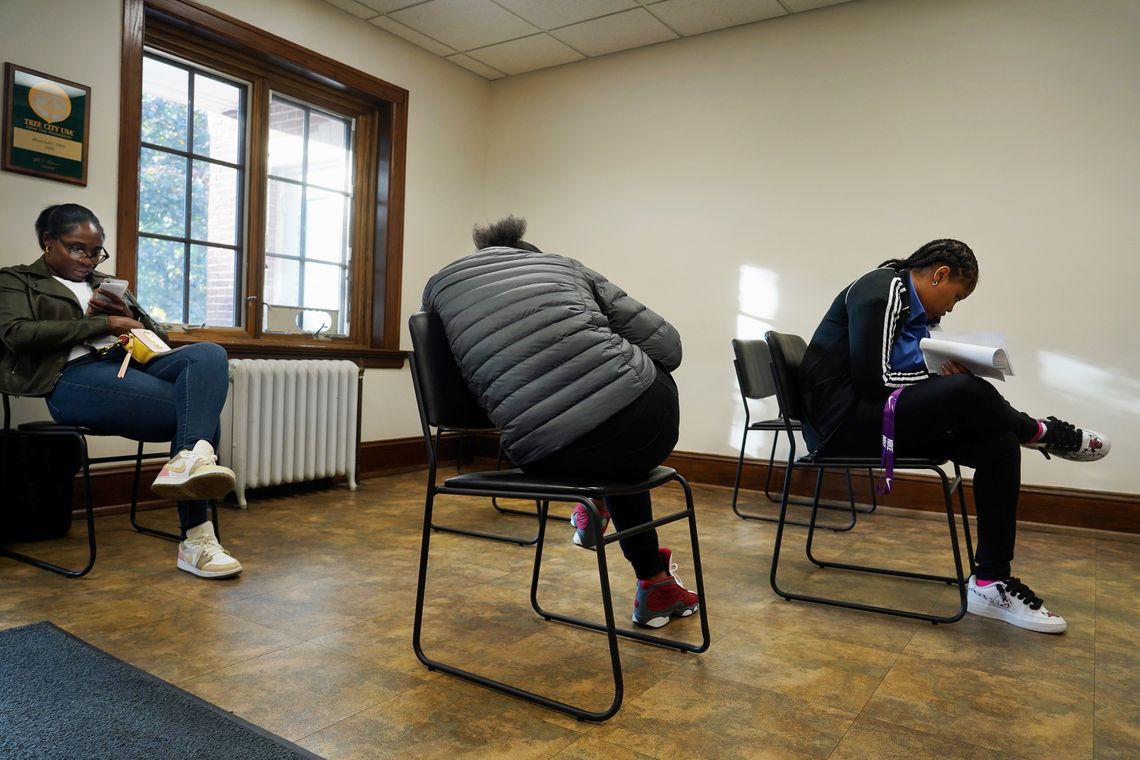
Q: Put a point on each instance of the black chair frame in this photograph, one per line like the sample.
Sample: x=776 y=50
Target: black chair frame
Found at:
x=80 y=433
x=786 y=353
x=443 y=401
x=747 y=372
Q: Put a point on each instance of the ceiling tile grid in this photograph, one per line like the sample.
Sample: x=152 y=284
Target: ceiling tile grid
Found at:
x=498 y=38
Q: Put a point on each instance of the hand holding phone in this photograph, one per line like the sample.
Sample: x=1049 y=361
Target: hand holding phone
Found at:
x=109 y=298
x=115 y=287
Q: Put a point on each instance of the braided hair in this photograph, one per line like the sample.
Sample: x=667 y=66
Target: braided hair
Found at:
x=952 y=253
x=506 y=232
x=57 y=220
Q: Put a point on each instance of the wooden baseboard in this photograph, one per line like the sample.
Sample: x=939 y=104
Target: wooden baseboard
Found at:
x=1100 y=510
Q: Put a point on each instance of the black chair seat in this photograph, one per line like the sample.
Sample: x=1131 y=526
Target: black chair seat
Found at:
x=518 y=484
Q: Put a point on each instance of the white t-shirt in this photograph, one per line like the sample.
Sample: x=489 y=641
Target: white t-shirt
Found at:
x=83 y=292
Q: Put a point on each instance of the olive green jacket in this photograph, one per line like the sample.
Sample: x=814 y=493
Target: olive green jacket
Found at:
x=40 y=321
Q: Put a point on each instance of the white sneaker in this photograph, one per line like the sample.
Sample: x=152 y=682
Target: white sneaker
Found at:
x=1064 y=440
x=194 y=474
x=202 y=555
x=1012 y=601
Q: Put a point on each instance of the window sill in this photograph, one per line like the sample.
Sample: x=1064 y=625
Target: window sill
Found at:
x=249 y=348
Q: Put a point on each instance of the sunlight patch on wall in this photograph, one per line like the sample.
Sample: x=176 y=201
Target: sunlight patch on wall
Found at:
x=758 y=300
x=1090 y=383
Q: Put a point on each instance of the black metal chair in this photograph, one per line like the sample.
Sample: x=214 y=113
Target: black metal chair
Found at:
x=80 y=434
x=754 y=376
x=787 y=352
x=445 y=403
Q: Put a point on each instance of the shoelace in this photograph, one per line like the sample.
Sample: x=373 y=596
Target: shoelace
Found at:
x=1014 y=587
x=1063 y=435
x=210 y=548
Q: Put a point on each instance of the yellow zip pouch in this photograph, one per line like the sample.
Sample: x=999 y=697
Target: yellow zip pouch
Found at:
x=142 y=346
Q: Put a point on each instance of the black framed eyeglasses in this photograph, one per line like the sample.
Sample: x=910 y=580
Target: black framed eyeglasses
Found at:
x=96 y=255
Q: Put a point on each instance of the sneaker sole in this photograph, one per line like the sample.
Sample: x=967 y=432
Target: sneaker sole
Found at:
x=212 y=485
x=662 y=620
x=184 y=565
x=579 y=541
x=996 y=613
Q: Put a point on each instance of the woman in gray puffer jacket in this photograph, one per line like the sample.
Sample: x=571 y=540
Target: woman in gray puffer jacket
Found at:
x=575 y=375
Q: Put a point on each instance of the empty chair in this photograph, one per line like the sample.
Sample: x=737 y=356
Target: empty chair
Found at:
x=754 y=376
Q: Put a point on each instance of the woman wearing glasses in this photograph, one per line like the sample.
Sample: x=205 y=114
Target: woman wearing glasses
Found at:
x=59 y=328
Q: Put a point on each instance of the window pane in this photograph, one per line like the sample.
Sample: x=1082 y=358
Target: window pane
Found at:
x=324 y=226
x=283 y=223
x=214 y=203
x=282 y=281
x=164 y=104
x=217 y=119
x=213 y=292
x=329 y=156
x=162 y=192
x=286 y=139
x=323 y=284
x=160 y=277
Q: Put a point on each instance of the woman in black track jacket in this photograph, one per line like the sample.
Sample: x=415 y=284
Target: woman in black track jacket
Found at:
x=867 y=347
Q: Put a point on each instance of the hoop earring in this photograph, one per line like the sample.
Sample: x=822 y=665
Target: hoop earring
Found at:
x=933 y=282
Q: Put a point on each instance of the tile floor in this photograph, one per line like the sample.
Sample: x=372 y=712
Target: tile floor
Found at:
x=313 y=641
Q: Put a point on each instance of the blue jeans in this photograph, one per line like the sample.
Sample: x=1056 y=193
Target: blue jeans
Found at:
x=176 y=397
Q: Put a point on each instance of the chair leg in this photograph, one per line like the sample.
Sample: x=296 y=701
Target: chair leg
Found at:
x=175 y=537
x=958 y=579
x=90 y=518
x=499 y=686
x=798 y=502
x=684 y=646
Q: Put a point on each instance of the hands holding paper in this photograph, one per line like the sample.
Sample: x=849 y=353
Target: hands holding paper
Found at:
x=954 y=368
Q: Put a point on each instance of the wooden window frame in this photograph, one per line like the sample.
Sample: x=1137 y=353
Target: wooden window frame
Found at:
x=184 y=29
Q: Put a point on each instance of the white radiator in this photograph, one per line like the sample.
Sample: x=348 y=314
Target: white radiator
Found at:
x=288 y=421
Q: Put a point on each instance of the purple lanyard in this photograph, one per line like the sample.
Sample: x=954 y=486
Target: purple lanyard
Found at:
x=888 y=475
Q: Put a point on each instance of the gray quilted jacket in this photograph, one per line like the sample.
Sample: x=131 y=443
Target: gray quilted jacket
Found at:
x=550 y=348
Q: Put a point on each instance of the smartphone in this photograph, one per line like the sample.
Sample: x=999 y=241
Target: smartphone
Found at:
x=114 y=287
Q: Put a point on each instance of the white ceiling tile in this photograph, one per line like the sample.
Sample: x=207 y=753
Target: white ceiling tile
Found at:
x=356 y=9
x=551 y=14
x=464 y=24
x=471 y=64
x=689 y=17
x=795 y=6
x=387 y=6
x=527 y=54
x=411 y=35
x=620 y=31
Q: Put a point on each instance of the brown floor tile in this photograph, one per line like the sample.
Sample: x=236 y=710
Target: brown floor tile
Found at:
x=1053 y=718
x=870 y=738
x=313 y=640
x=296 y=691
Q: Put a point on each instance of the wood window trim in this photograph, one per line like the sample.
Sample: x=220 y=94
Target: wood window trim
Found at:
x=378 y=306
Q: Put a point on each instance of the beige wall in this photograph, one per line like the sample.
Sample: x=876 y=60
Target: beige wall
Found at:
x=738 y=180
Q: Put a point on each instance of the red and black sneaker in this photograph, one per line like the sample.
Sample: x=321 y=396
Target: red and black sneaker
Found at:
x=657 y=602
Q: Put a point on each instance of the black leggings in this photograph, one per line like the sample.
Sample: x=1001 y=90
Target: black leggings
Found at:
x=627 y=446
x=962 y=418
